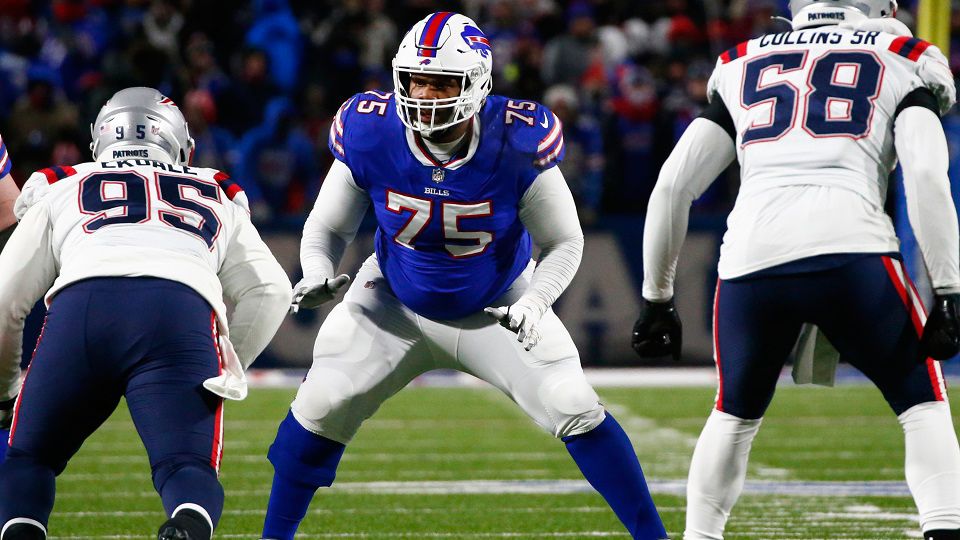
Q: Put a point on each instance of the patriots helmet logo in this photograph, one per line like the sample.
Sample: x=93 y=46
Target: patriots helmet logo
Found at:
x=476 y=40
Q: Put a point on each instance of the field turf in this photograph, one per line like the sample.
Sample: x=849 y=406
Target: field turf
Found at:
x=465 y=463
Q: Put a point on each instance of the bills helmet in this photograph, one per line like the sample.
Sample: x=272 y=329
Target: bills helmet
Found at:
x=446 y=44
x=141 y=121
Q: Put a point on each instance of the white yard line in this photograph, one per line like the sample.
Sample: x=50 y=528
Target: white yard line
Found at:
x=566 y=487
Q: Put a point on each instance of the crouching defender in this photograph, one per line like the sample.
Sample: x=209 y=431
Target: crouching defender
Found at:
x=135 y=252
x=818 y=118
x=459 y=182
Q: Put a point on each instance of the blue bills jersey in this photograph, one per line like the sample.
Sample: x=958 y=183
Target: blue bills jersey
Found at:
x=449 y=239
x=5 y=164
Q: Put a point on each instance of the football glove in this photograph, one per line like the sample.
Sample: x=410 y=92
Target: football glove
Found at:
x=311 y=292
x=6 y=413
x=520 y=318
x=941 y=334
x=658 y=331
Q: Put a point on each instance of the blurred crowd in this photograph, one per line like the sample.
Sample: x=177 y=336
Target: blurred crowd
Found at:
x=259 y=80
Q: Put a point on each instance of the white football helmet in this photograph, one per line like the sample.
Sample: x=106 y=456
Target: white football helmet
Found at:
x=448 y=44
x=141 y=121
x=811 y=12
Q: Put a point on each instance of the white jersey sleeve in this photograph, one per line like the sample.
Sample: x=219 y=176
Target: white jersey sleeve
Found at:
x=549 y=213
x=813 y=113
x=28 y=267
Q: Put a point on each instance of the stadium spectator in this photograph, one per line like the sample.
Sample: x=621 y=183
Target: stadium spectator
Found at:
x=216 y=147
x=278 y=165
x=583 y=165
x=277 y=33
x=566 y=58
x=37 y=120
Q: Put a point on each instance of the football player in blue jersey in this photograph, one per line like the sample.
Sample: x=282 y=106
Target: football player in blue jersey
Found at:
x=462 y=185
x=8 y=194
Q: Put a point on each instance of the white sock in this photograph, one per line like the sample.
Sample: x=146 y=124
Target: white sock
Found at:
x=717 y=473
x=933 y=464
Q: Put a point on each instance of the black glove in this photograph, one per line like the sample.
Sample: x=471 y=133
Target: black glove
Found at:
x=658 y=331
x=941 y=335
x=6 y=413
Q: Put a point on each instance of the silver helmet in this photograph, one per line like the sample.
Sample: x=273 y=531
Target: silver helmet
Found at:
x=873 y=9
x=141 y=122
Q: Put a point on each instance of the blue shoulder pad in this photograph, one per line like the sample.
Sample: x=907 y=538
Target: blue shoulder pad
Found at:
x=534 y=130
x=357 y=122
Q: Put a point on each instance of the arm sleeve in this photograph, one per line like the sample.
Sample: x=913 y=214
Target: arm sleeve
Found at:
x=257 y=285
x=701 y=154
x=548 y=212
x=333 y=222
x=28 y=267
x=922 y=149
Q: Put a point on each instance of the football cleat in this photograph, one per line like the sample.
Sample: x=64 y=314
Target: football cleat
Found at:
x=185 y=525
x=23 y=531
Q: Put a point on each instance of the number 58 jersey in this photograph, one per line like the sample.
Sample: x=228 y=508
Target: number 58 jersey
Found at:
x=139 y=217
x=813 y=113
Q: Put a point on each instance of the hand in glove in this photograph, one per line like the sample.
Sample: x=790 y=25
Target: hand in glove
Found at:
x=941 y=334
x=520 y=318
x=311 y=292
x=658 y=331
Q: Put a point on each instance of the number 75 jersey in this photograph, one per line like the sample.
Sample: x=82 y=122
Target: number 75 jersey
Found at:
x=449 y=238
x=816 y=108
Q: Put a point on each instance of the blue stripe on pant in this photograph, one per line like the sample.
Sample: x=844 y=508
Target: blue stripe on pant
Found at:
x=149 y=340
x=862 y=303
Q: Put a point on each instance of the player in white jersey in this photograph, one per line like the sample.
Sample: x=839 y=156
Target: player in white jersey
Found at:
x=817 y=118
x=135 y=252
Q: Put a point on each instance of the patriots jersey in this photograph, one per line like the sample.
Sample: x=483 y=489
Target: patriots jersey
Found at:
x=449 y=239
x=813 y=114
x=141 y=217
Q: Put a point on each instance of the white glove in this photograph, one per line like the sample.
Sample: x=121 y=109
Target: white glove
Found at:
x=521 y=318
x=310 y=292
x=232 y=382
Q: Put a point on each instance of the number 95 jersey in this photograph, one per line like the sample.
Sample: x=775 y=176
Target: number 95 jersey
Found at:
x=140 y=217
x=449 y=239
x=813 y=114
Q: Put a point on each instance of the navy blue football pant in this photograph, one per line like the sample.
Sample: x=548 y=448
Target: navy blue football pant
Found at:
x=864 y=304
x=152 y=341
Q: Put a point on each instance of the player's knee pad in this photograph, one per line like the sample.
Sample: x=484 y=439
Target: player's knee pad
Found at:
x=323 y=391
x=300 y=455
x=572 y=403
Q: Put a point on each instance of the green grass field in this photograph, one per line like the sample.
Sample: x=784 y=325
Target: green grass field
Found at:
x=465 y=463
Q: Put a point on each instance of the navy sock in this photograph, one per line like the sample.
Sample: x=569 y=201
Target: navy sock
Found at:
x=189 y=481
x=27 y=487
x=303 y=462
x=609 y=463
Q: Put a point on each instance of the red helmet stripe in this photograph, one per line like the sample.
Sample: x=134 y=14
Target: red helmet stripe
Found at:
x=431 y=32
